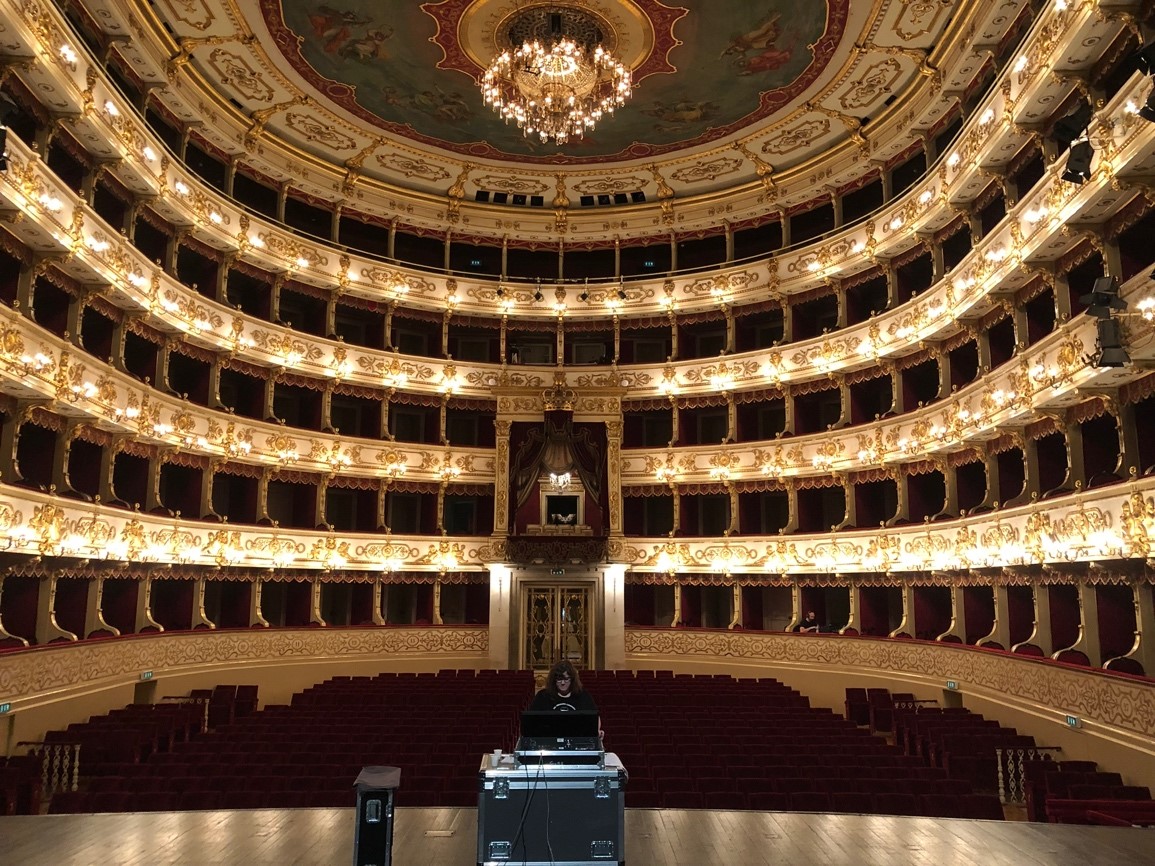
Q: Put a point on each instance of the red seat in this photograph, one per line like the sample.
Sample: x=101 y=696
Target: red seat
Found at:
x=768 y=801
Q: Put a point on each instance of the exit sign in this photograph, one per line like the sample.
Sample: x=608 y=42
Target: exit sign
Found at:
x=5 y=708
x=146 y=676
x=1074 y=722
x=952 y=685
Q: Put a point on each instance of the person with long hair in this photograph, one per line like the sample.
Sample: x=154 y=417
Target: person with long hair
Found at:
x=563 y=691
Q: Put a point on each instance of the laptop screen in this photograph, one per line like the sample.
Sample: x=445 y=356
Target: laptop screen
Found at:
x=551 y=723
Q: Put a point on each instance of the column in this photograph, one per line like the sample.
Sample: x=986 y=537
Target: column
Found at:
x=144 y=620
x=1041 y=633
x=906 y=625
x=256 y=600
x=501 y=505
x=614 y=475
x=1001 y=631
x=500 y=619
x=94 y=612
x=614 y=615
x=958 y=617
x=46 y=628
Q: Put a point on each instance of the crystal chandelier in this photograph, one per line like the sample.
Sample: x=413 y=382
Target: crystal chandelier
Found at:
x=556 y=79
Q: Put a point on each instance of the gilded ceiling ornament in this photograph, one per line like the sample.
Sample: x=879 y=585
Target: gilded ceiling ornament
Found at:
x=316 y=131
x=797 y=137
x=261 y=116
x=919 y=18
x=609 y=185
x=507 y=183
x=194 y=13
x=235 y=70
x=707 y=170
x=873 y=84
x=412 y=168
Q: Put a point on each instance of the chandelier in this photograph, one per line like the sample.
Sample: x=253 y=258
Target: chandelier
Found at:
x=555 y=79
x=559 y=483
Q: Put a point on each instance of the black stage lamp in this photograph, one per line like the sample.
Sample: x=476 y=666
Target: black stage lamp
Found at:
x=1111 y=351
x=3 y=148
x=621 y=294
x=500 y=292
x=584 y=296
x=1103 y=298
x=537 y=296
x=1145 y=59
x=1079 y=157
x=1071 y=127
x=1147 y=112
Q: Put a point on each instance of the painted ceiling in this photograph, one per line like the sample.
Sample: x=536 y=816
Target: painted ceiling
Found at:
x=740 y=106
x=704 y=69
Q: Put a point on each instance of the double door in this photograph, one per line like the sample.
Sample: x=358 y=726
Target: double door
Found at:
x=557 y=623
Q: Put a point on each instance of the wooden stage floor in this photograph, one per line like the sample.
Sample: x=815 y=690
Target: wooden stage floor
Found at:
x=654 y=837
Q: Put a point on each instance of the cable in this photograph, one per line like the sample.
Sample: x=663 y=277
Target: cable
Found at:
x=525 y=813
x=548 y=841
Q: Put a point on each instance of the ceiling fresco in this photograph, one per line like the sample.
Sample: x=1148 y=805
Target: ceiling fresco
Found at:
x=705 y=69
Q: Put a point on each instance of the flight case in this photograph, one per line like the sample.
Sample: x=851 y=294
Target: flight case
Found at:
x=540 y=815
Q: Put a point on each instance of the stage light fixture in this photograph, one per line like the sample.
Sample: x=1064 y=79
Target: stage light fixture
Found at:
x=1071 y=127
x=621 y=294
x=1147 y=112
x=1145 y=59
x=584 y=296
x=537 y=296
x=1079 y=158
x=1111 y=351
x=1103 y=298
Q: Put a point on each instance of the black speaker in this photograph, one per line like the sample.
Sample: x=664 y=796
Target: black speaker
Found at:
x=373 y=835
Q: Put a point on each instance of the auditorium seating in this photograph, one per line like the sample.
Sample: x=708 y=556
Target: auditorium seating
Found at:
x=434 y=726
x=1077 y=792
x=710 y=742
x=761 y=744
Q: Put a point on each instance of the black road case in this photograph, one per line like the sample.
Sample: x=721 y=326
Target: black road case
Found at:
x=542 y=815
x=373 y=834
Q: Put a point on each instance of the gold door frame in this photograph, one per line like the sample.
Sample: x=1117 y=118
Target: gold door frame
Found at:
x=557 y=621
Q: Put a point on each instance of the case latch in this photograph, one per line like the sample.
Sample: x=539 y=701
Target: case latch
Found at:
x=602 y=850
x=602 y=789
x=501 y=789
x=500 y=850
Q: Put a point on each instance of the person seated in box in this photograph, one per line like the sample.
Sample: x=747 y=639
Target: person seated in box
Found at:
x=809 y=623
x=563 y=691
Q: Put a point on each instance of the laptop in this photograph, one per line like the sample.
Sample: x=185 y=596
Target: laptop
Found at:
x=552 y=737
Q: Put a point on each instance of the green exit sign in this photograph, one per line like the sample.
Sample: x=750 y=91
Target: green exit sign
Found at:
x=952 y=685
x=146 y=676
x=1074 y=722
x=5 y=708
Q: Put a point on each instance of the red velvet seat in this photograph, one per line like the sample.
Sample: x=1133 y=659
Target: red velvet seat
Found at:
x=810 y=801
x=681 y=800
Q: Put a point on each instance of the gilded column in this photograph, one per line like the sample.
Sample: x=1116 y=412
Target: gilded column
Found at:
x=47 y=629
x=144 y=617
x=1041 y=633
x=614 y=475
x=501 y=480
x=94 y=620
